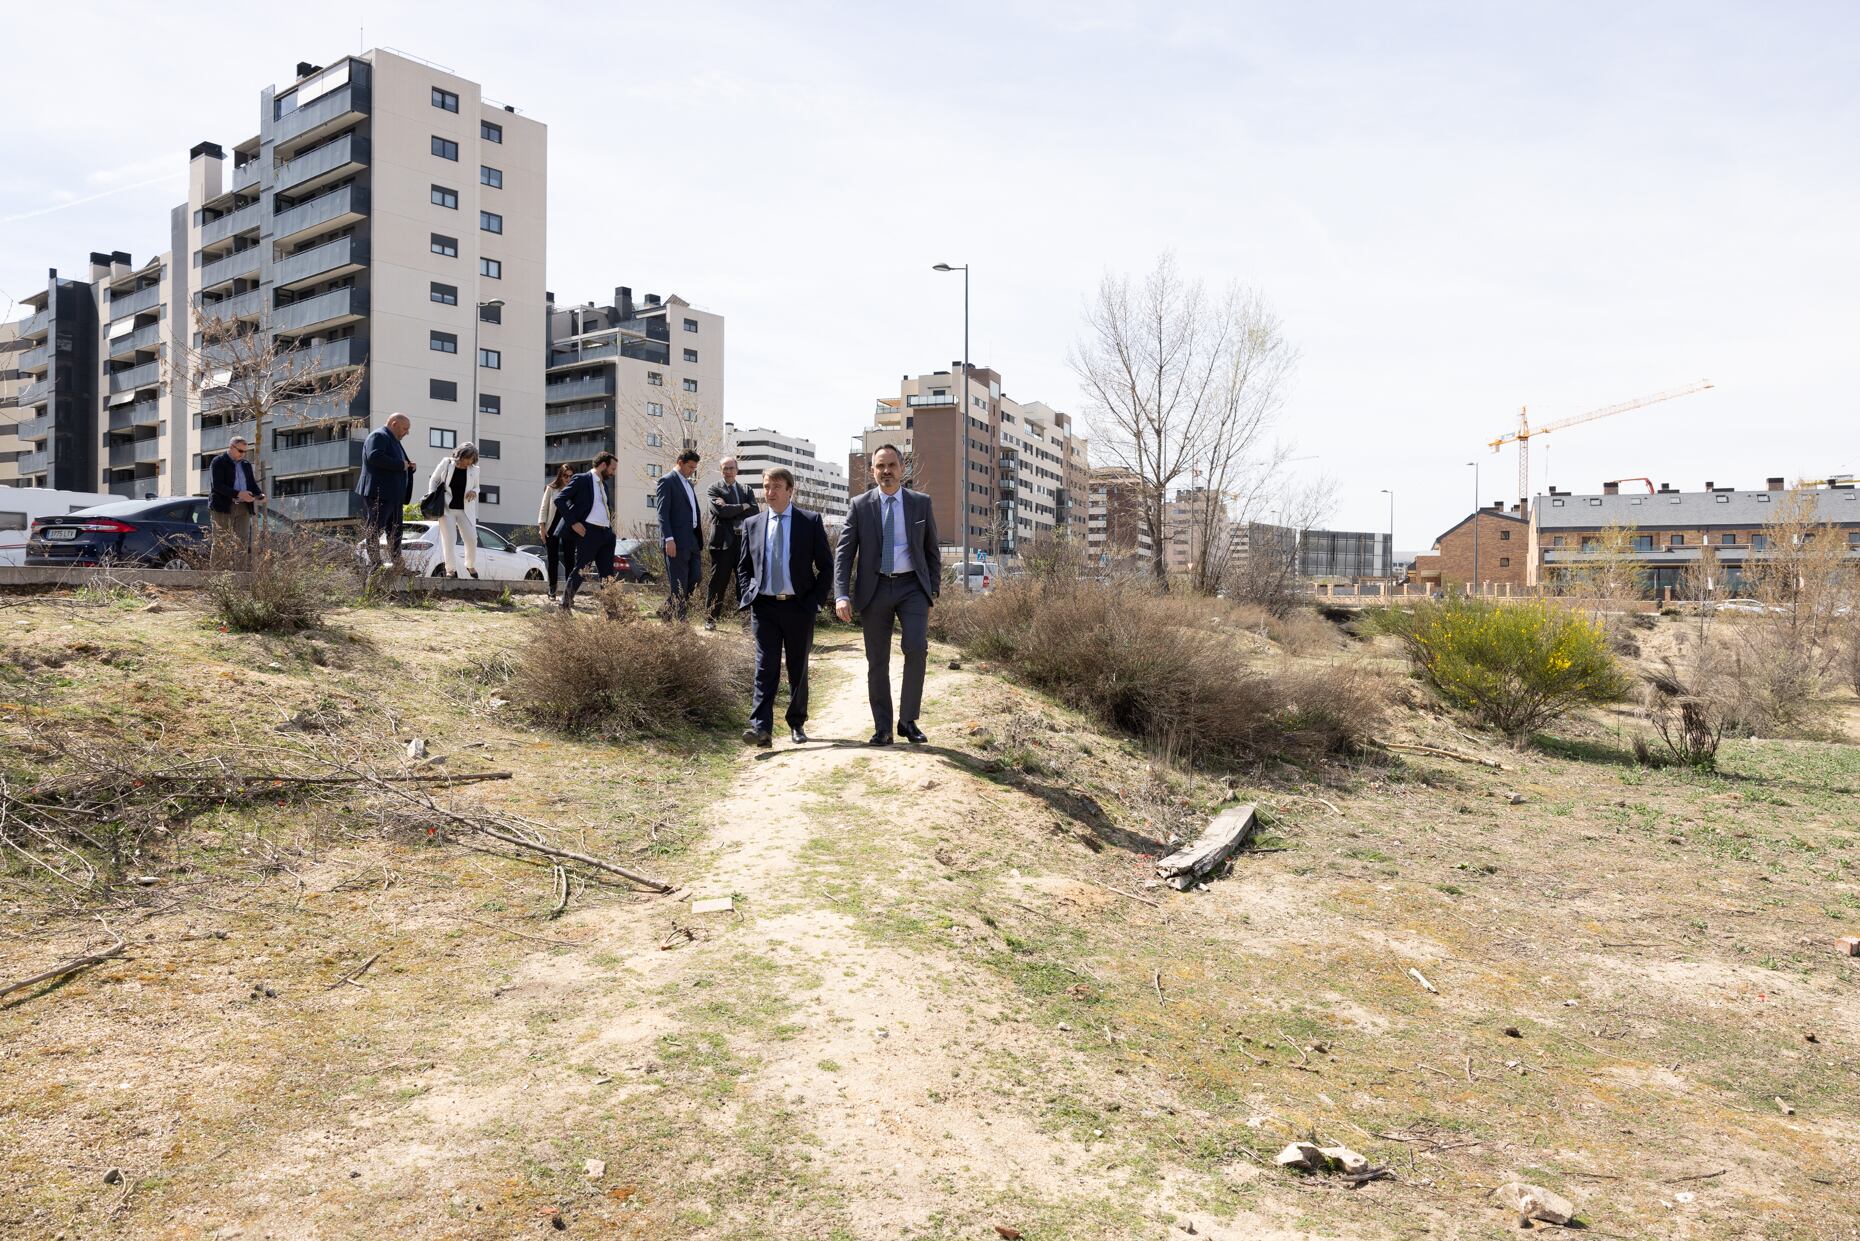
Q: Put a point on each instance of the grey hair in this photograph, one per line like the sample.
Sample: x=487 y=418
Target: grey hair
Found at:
x=467 y=449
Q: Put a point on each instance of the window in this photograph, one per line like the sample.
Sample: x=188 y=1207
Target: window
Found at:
x=1759 y=542
x=491 y=268
x=1590 y=544
x=690 y=325
x=491 y=359
x=1727 y=540
x=690 y=355
x=1853 y=538
x=441 y=437
x=493 y=177
x=652 y=502
x=490 y=314
x=690 y=415
x=1504 y=536
x=1675 y=540
x=445 y=148
x=443 y=342
x=445 y=99
x=445 y=294
x=654 y=440
x=490 y=221
x=1504 y=562
x=490 y=132
x=490 y=404
x=1723 y=499
x=655 y=379
x=443 y=197
x=490 y=449
x=653 y=471
x=1763 y=499
x=1556 y=540
x=442 y=390
x=489 y=494
x=448 y=246
x=1643 y=542
x=654 y=409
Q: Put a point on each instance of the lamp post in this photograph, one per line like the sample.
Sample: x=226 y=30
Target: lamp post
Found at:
x=477 y=317
x=1391 y=495
x=963 y=422
x=1475 y=576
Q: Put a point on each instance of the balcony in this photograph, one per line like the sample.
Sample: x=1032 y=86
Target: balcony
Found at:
x=336 y=306
x=342 y=454
x=319 y=506
x=140 y=452
x=35 y=360
x=331 y=356
x=122 y=304
x=245 y=219
x=245 y=176
x=231 y=267
x=330 y=162
x=577 y=420
x=136 y=488
x=918 y=402
x=142 y=338
x=212 y=439
x=144 y=376
x=575 y=389
x=35 y=394
x=332 y=210
x=33 y=430
x=345 y=254
x=555 y=451
x=569 y=357
x=248 y=305
x=141 y=414
x=36 y=325
x=336 y=110
x=31 y=463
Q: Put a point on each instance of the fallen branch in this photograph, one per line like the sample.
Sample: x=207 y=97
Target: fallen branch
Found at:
x=355 y=973
x=1408 y=747
x=1132 y=895
x=1229 y=829
x=69 y=967
x=1156 y=978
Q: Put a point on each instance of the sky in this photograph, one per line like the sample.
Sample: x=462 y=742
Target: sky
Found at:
x=1456 y=210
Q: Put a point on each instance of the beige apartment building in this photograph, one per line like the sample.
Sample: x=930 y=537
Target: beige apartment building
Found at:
x=1027 y=466
x=641 y=379
x=819 y=486
x=1196 y=527
x=1116 y=534
x=386 y=220
x=11 y=383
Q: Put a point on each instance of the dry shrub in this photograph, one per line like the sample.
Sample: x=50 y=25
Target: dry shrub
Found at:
x=1164 y=668
x=619 y=675
x=291 y=582
x=1688 y=721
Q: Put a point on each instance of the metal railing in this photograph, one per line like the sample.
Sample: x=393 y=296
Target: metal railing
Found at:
x=576 y=420
x=130 y=303
x=136 y=488
x=135 y=377
x=348 y=149
x=230 y=267
x=141 y=414
x=331 y=356
x=317 y=112
x=34 y=429
x=319 y=259
x=35 y=393
x=319 y=505
x=336 y=304
x=141 y=452
x=31 y=463
x=343 y=454
x=32 y=325
x=38 y=358
x=230 y=224
x=917 y=402
x=142 y=338
x=247 y=305
x=348 y=200
x=575 y=449
x=570 y=389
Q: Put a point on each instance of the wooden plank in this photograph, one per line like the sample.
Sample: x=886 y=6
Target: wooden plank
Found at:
x=1228 y=830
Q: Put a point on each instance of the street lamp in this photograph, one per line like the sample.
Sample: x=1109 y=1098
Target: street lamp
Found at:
x=477 y=317
x=1391 y=495
x=963 y=422
x=1475 y=576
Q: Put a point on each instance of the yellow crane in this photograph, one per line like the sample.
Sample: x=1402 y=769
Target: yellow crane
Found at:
x=1522 y=436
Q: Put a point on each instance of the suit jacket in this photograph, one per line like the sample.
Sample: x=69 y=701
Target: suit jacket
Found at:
x=861 y=546
x=441 y=480
x=225 y=483
x=576 y=501
x=676 y=520
x=730 y=505
x=385 y=479
x=810 y=558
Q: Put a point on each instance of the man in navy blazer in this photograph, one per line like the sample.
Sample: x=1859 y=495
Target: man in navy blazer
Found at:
x=783 y=575
x=682 y=528
x=586 y=525
x=889 y=566
x=235 y=496
x=385 y=486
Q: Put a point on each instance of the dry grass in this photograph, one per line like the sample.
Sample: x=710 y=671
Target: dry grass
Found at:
x=291 y=582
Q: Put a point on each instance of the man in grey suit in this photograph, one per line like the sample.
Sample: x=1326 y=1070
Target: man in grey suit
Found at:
x=888 y=566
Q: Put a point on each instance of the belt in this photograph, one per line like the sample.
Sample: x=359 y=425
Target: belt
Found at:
x=778 y=598
x=906 y=573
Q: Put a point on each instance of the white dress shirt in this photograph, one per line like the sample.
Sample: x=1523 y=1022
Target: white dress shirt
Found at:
x=597 y=516
x=692 y=493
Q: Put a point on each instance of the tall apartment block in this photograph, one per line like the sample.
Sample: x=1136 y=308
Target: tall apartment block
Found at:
x=11 y=383
x=819 y=486
x=1027 y=465
x=1116 y=533
x=386 y=219
x=641 y=379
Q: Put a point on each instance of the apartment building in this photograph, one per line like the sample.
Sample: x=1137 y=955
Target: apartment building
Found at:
x=819 y=486
x=386 y=220
x=12 y=382
x=641 y=379
x=1196 y=527
x=1485 y=551
x=1115 y=530
x=1027 y=466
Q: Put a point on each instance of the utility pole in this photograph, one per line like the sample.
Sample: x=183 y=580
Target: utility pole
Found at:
x=963 y=422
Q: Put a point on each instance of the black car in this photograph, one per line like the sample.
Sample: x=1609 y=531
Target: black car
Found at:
x=634 y=560
x=162 y=534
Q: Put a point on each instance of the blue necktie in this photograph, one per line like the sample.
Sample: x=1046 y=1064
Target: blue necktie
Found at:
x=778 y=558
x=887 y=556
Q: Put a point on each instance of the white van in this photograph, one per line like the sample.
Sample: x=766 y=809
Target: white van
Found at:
x=20 y=506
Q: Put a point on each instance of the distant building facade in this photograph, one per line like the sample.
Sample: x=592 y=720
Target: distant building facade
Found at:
x=1116 y=533
x=820 y=486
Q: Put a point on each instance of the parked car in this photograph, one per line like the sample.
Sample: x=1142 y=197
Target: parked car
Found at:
x=498 y=559
x=981 y=577
x=167 y=533
x=633 y=560
x=21 y=506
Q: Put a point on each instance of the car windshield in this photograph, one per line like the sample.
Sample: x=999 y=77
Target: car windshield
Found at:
x=117 y=508
x=492 y=541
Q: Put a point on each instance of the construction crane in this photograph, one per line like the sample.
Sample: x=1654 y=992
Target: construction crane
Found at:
x=1616 y=482
x=1522 y=436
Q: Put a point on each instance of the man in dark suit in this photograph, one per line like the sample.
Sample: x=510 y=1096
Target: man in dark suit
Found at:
x=682 y=527
x=385 y=486
x=234 y=497
x=782 y=578
x=731 y=503
x=889 y=567
x=586 y=525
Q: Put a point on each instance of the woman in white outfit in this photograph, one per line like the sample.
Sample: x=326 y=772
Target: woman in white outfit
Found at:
x=456 y=478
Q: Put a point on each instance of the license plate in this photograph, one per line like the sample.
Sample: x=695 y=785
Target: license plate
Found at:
x=58 y=533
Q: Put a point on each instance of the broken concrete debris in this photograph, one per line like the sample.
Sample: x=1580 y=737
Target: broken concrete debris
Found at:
x=1530 y=1202
x=1848 y=945
x=1228 y=830
x=713 y=905
x=1310 y=1157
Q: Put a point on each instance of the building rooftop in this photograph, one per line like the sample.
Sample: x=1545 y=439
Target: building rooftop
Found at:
x=1692 y=509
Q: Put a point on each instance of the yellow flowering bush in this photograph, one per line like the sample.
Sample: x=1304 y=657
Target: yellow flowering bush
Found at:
x=1516 y=666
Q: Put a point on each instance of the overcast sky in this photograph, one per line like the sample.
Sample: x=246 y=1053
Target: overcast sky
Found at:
x=1456 y=209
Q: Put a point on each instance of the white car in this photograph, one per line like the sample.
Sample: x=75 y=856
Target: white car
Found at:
x=498 y=561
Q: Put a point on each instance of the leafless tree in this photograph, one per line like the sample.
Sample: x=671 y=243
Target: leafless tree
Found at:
x=1267 y=574
x=1183 y=389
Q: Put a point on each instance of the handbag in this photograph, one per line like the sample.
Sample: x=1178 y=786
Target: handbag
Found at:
x=434 y=505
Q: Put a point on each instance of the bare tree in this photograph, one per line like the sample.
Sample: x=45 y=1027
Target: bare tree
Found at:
x=1607 y=573
x=1268 y=573
x=1184 y=389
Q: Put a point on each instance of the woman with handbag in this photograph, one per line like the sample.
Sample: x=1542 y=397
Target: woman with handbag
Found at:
x=454 y=485
x=548 y=525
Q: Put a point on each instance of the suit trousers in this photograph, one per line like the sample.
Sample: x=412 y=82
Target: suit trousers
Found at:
x=232 y=536
x=556 y=552
x=379 y=519
x=904 y=599
x=722 y=578
x=783 y=629
x=458 y=533
x=596 y=548
x=683 y=574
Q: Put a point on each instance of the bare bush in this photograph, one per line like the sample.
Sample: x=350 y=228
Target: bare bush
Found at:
x=1166 y=669
x=291 y=582
x=620 y=675
x=1690 y=722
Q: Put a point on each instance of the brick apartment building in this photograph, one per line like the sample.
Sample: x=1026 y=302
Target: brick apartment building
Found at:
x=1492 y=547
x=1116 y=534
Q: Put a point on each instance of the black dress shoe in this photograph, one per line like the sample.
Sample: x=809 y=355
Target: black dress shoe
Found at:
x=911 y=733
x=880 y=739
x=755 y=736
x=799 y=734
